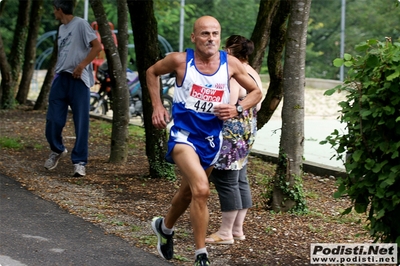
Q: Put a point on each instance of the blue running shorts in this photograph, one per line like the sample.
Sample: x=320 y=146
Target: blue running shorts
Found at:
x=206 y=147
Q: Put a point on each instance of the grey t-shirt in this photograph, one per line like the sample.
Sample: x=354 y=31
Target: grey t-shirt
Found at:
x=73 y=46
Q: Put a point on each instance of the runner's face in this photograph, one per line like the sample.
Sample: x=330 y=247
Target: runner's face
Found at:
x=206 y=36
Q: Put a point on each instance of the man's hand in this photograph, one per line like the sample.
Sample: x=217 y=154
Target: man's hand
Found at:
x=78 y=72
x=225 y=111
x=160 y=117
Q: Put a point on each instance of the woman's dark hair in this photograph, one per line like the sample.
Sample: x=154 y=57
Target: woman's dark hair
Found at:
x=240 y=47
x=67 y=6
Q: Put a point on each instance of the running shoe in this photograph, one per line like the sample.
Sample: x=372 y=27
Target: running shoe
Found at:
x=165 y=245
x=202 y=260
x=54 y=157
x=79 y=170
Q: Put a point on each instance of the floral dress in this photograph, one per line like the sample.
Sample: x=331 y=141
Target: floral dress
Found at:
x=239 y=134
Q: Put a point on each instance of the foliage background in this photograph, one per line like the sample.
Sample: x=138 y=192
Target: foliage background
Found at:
x=365 y=19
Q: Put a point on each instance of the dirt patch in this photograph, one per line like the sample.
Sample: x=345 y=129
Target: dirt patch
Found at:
x=122 y=200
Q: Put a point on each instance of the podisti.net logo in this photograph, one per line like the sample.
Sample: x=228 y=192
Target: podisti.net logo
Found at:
x=355 y=253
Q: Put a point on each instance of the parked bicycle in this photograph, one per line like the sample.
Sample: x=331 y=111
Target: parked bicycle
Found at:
x=101 y=102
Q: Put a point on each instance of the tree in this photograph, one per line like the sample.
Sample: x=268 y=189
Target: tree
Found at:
x=276 y=47
x=147 y=51
x=30 y=51
x=16 y=57
x=123 y=36
x=287 y=190
x=2 y=5
x=261 y=32
x=41 y=101
x=116 y=59
x=5 y=68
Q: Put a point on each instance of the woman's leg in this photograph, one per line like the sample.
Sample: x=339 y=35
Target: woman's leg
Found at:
x=226 y=183
x=245 y=194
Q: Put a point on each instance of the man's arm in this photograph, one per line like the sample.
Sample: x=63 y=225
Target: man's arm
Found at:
x=254 y=95
x=160 y=116
x=94 y=51
x=239 y=73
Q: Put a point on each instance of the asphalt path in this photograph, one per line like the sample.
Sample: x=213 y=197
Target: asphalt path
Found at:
x=36 y=232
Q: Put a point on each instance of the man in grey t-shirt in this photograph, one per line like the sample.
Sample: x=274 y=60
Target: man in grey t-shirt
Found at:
x=77 y=47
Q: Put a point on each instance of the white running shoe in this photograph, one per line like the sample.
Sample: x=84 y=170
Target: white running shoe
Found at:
x=79 y=170
x=54 y=157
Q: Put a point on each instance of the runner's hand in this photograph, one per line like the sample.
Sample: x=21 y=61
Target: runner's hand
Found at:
x=225 y=111
x=160 y=117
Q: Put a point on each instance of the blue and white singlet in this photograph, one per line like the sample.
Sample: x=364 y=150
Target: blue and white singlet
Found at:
x=193 y=110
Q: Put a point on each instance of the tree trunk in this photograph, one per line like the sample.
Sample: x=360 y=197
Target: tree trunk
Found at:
x=287 y=192
x=276 y=48
x=119 y=134
x=42 y=100
x=16 y=55
x=123 y=36
x=147 y=51
x=260 y=36
x=30 y=51
x=6 y=80
x=2 y=6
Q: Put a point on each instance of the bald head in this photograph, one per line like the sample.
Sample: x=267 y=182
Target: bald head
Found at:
x=205 y=21
x=206 y=36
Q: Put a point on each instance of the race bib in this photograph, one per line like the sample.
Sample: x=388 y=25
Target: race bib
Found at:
x=203 y=100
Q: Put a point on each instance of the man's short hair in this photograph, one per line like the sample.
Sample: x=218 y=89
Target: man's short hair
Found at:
x=67 y=6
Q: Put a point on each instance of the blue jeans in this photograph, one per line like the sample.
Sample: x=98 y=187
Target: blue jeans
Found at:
x=68 y=91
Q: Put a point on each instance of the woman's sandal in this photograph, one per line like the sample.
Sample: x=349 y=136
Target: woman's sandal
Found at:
x=242 y=237
x=214 y=239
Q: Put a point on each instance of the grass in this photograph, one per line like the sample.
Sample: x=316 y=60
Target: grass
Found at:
x=181 y=258
x=312 y=195
x=118 y=223
x=38 y=146
x=18 y=144
x=314 y=229
x=148 y=240
x=10 y=143
x=136 y=133
x=101 y=216
x=135 y=228
x=340 y=219
x=106 y=128
x=269 y=230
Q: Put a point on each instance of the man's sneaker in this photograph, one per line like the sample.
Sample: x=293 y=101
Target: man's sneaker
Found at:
x=202 y=260
x=165 y=245
x=54 y=157
x=79 y=170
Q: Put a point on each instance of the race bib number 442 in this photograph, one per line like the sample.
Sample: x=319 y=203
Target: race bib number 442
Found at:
x=203 y=99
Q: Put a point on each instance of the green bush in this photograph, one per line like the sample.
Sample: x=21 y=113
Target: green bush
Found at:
x=370 y=148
